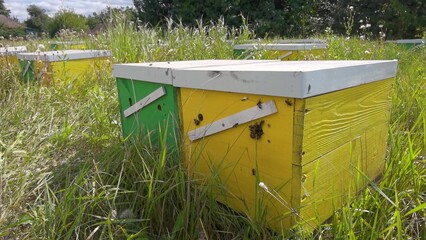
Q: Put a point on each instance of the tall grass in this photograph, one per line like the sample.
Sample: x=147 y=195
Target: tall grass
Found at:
x=66 y=173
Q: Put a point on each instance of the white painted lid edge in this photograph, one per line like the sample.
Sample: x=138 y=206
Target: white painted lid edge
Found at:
x=63 y=55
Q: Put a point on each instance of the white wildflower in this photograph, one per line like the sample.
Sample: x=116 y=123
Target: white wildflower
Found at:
x=263 y=186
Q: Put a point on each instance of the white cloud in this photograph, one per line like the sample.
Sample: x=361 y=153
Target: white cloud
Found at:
x=18 y=8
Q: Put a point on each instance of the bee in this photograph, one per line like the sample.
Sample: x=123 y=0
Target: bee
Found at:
x=259 y=104
x=200 y=117
x=256 y=130
x=288 y=102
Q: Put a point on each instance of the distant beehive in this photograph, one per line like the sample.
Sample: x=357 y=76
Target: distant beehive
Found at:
x=70 y=45
x=295 y=49
x=408 y=43
x=66 y=65
x=8 y=55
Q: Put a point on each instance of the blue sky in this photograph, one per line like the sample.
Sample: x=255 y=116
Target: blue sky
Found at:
x=85 y=7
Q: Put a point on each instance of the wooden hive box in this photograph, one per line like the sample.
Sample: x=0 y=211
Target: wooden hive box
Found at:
x=314 y=133
x=284 y=50
x=149 y=103
x=65 y=65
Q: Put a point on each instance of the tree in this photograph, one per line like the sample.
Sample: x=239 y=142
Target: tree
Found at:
x=155 y=11
x=67 y=19
x=38 y=19
x=300 y=18
x=398 y=18
x=107 y=15
x=274 y=17
x=3 y=9
x=405 y=19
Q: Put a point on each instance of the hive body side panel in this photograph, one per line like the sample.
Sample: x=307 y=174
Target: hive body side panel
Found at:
x=234 y=159
x=333 y=119
x=329 y=182
x=374 y=149
x=344 y=146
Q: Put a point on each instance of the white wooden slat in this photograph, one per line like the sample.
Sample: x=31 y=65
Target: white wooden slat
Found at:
x=285 y=55
x=26 y=68
x=250 y=114
x=145 y=101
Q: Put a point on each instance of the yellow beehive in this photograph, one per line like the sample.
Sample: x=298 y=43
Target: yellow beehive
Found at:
x=8 y=55
x=311 y=133
x=64 y=66
x=285 y=49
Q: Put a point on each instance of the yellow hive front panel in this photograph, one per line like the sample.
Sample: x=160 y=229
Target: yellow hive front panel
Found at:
x=43 y=72
x=72 y=71
x=234 y=159
x=8 y=60
x=336 y=118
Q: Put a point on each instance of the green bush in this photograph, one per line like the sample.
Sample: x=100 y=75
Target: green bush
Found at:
x=14 y=32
